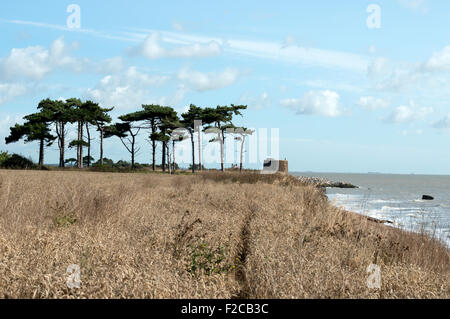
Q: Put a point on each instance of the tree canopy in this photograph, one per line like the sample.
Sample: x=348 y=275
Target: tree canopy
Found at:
x=54 y=119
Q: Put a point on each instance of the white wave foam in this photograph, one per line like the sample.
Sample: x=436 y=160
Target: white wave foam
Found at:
x=384 y=208
x=382 y=201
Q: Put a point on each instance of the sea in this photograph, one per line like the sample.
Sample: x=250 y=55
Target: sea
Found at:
x=397 y=198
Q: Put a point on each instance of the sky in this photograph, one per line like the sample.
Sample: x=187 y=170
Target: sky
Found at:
x=348 y=86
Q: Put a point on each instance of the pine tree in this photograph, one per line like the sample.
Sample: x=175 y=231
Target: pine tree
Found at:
x=36 y=128
x=188 y=121
x=221 y=117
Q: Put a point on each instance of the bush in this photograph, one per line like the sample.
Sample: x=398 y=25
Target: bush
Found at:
x=207 y=260
x=103 y=168
x=3 y=157
x=115 y=168
x=106 y=162
x=16 y=161
x=123 y=164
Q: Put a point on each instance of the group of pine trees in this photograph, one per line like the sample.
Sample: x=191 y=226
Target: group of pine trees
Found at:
x=161 y=124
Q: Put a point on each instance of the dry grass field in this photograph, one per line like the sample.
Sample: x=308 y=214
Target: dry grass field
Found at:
x=203 y=236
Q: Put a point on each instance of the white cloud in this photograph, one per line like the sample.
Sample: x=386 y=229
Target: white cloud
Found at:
x=133 y=76
x=417 y=5
x=412 y=132
x=174 y=99
x=196 y=50
x=257 y=102
x=401 y=114
x=284 y=52
x=379 y=67
x=405 y=114
x=395 y=76
x=398 y=80
x=289 y=41
x=439 y=61
x=333 y=85
x=111 y=65
x=197 y=45
x=29 y=62
x=7 y=121
x=443 y=123
x=23 y=69
x=300 y=55
x=152 y=49
x=128 y=89
x=390 y=76
x=201 y=81
x=36 y=61
x=178 y=26
x=66 y=29
x=120 y=97
x=324 y=103
x=9 y=91
x=372 y=103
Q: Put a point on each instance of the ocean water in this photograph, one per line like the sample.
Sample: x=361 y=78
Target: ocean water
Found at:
x=397 y=198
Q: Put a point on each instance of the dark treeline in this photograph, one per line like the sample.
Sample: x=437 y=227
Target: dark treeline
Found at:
x=161 y=124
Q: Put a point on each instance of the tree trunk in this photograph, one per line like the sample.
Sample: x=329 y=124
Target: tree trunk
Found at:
x=80 y=163
x=163 y=160
x=153 y=155
x=173 y=157
x=132 y=151
x=60 y=133
x=78 y=146
x=62 y=146
x=101 y=145
x=41 y=152
x=199 y=149
x=168 y=158
x=193 y=152
x=242 y=152
x=152 y=123
x=222 y=141
x=89 y=145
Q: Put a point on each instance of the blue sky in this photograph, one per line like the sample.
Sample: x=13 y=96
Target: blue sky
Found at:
x=344 y=97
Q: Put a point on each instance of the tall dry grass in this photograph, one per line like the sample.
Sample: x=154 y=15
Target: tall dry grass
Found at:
x=203 y=236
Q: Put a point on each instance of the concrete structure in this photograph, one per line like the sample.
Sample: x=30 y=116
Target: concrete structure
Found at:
x=283 y=166
x=272 y=166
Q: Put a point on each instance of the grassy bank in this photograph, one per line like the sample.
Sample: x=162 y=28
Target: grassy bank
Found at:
x=205 y=236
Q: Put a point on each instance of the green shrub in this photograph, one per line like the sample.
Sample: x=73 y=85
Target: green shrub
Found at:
x=105 y=168
x=114 y=168
x=64 y=220
x=122 y=163
x=119 y=166
x=63 y=215
x=3 y=157
x=16 y=161
x=106 y=162
x=208 y=260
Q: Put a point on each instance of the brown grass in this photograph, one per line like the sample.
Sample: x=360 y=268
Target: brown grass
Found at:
x=203 y=236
